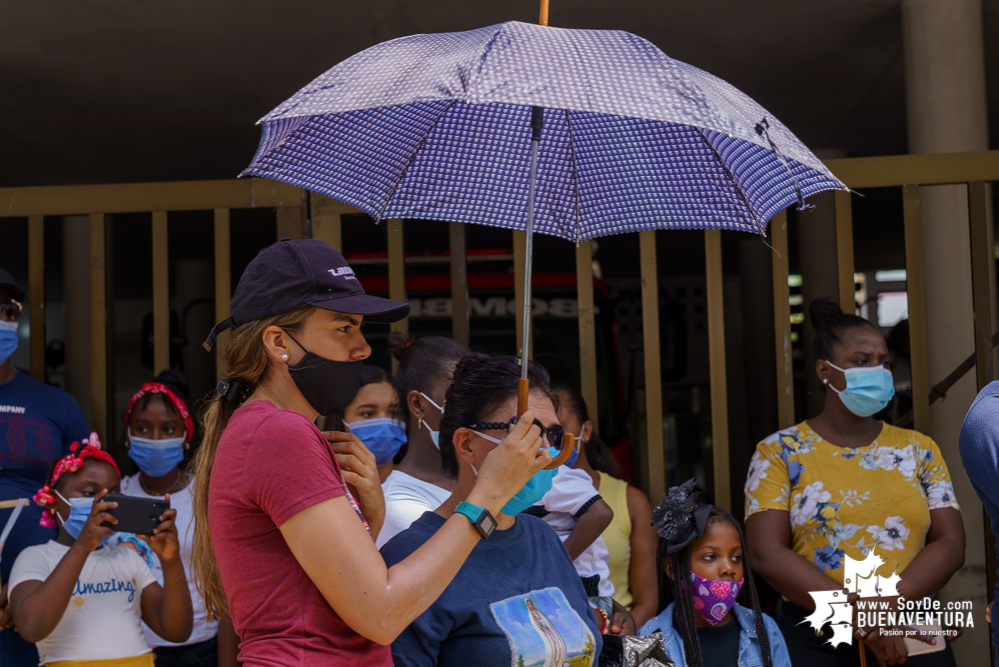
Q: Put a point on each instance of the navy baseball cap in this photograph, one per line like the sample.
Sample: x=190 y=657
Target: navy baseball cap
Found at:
x=304 y=272
x=7 y=283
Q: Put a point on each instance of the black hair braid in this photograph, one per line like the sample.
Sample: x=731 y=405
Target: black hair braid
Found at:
x=754 y=602
x=683 y=594
x=665 y=590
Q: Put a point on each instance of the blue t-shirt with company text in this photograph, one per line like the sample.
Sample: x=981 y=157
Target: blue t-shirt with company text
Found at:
x=517 y=600
x=38 y=423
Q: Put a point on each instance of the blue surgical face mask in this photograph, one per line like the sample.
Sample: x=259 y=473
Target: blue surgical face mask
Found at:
x=434 y=435
x=79 y=512
x=8 y=340
x=532 y=493
x=156 y=458
x=382 y=436
x=868 y=389
x=571 y=461
x=535 y=489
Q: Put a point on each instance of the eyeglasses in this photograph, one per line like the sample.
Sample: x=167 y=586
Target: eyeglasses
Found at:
x=10 y=311
x=555 y=434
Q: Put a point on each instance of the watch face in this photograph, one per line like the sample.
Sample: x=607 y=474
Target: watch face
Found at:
x=488 y=523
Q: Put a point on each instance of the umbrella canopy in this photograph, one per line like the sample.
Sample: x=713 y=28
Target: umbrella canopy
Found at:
x=438 y=127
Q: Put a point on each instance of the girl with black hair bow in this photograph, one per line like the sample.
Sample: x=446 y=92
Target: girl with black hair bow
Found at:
x=701 y=572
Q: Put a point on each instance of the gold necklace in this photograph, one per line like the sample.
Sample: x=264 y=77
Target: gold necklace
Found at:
x=181 y=480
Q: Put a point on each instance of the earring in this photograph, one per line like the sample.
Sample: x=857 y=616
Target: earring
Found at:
x=284 y=357
x=826 y=381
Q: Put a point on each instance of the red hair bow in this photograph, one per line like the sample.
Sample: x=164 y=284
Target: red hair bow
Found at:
x=68 y=464
x=157 y=388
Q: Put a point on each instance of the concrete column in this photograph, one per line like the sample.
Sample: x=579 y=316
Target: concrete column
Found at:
x=946 y=111
x=76 y=300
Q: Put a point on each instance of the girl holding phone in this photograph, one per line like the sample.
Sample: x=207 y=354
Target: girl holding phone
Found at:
x=160 y=428
x=67 y=593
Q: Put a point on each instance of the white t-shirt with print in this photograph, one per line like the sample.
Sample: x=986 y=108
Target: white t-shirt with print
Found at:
x=182 y=502
x=406 y=499
x=572 y=491
x=103 y=618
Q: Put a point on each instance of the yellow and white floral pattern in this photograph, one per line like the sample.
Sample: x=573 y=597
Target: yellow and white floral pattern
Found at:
x=843 y=502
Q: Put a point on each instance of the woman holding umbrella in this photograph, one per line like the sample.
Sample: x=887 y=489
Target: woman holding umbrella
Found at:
x=283 y=550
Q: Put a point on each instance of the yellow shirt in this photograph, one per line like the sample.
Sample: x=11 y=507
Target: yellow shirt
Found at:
x=617 y=536
x=847 y=501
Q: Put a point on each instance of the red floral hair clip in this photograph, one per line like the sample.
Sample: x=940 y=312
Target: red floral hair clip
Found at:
x=91 y=449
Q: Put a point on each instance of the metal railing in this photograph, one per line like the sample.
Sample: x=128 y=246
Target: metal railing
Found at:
x=299 y=215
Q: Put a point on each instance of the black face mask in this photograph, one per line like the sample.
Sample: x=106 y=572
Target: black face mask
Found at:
x=329 y=386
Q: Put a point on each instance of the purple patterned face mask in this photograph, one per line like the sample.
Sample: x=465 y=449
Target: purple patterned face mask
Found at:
x=713 y=598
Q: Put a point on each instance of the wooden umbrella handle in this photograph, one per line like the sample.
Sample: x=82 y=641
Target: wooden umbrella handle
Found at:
x=523 y=393
x=563 y=456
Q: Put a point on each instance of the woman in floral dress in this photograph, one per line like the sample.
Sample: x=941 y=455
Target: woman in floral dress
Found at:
x=845 y=485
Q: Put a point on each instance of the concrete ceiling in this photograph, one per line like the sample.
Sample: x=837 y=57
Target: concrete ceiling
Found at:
x=101 y=91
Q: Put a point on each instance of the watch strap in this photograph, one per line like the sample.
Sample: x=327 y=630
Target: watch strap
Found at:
x=473 y=512
x=481 y=519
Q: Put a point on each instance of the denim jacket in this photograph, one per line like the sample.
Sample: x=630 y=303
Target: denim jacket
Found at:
x=749 y=647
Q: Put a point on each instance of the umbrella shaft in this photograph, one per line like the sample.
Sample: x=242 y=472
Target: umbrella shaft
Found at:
x=529 y=261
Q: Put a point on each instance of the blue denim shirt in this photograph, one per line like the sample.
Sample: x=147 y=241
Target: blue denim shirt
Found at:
x=749 y=646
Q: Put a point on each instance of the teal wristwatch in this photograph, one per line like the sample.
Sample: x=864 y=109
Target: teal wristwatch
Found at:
x=480 y=517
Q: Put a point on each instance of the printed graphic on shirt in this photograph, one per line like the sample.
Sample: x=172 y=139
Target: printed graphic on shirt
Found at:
x=29 y=440
x=845 y=502
x=113 y=585
x=544 y=630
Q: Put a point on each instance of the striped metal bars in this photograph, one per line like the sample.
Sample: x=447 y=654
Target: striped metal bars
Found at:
x=655 y=452
x=157 y=199
x=36 y=292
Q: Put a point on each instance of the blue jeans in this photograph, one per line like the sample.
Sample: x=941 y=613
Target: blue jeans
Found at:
x=980 y=456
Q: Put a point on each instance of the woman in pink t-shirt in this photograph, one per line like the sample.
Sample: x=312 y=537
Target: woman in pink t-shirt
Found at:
x=281 y=545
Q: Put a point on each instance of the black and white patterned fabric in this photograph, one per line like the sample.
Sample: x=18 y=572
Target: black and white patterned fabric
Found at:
x=438 y=127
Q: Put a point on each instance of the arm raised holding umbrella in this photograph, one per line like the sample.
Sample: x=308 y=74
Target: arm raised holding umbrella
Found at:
x=281 y=545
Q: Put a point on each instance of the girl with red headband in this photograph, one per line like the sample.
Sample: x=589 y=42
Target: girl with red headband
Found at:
x=67 y=593
x=159 y=427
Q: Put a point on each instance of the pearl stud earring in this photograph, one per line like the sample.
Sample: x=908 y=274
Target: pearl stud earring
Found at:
x=284 y=357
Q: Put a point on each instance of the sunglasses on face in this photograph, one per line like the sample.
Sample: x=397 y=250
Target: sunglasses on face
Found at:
x=555 y=434
x=10 y=311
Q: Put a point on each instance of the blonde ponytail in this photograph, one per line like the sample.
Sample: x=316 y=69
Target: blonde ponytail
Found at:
x=246 y=361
